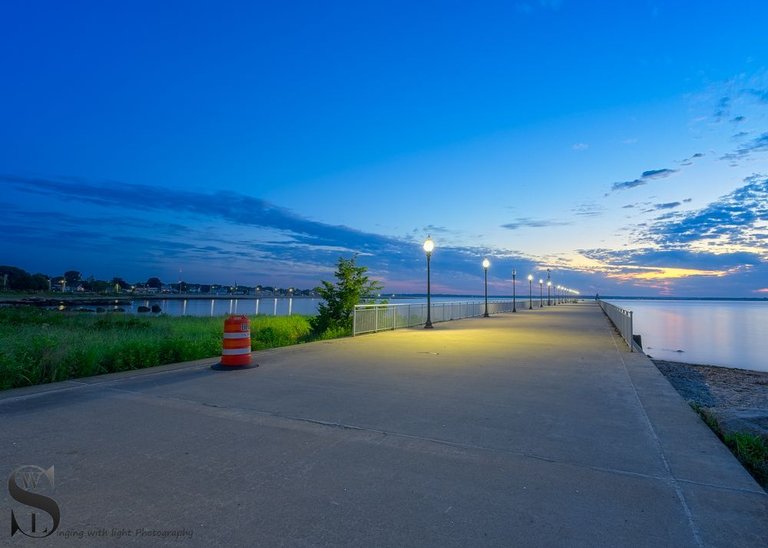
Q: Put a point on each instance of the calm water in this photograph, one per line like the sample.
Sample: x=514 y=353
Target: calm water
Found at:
x=725 y=333
x=270 y=306
x=221 y=307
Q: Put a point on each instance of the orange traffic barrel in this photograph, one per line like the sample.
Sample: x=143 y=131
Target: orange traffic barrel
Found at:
x=236 y=351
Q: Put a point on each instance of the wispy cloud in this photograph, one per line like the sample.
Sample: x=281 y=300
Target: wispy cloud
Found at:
x=666 y=205
x=689 y=161
x=758 y=144
x=588 y=209
x=222 y=234
x=644 y=179
x=527 y=222
x=760 y=94
x=580 y=146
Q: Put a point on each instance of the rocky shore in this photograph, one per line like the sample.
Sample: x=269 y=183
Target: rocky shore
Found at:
x=734 y=394
x=731 y=400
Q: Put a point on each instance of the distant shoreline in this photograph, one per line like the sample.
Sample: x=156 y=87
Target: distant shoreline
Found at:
x=119 y=299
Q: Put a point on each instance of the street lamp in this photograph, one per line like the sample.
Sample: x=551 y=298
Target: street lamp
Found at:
x=549 y=284
x=541 y=293
x=530 y=291
x=486 y=264
x=514 y=300
x=429 y=245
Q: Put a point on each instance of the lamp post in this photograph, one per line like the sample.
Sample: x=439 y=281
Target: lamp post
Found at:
x=541 y=293
x=514 y=300
x=429 y=245
x=486 y=264
x=530 y=291
x=549 y=284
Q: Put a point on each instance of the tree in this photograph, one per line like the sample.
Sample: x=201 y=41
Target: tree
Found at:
x=15 y=278
x=155 y=283
x=39 y=282
x=100 y=286
x=72 y=277
x=119 y=284
x=340 y=299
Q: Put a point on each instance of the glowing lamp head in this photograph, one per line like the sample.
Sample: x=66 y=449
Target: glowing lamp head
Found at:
x=530 y=277
x=486 y=263
x=549 y=284
x=429 y=245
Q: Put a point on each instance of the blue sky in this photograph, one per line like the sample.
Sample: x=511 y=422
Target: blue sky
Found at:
x=623 y=145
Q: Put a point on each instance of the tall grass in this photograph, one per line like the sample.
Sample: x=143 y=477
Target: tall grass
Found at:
x=40 y=346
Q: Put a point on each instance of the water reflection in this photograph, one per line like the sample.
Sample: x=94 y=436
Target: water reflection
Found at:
x=222 y=307
x=724 y=333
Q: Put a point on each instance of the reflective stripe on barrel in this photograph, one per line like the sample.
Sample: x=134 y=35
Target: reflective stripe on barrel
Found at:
x=236 y=344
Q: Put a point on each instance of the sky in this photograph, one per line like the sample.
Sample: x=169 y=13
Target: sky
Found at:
x=621 y=145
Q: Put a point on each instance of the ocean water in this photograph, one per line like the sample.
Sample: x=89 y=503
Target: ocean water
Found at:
x=723 y=333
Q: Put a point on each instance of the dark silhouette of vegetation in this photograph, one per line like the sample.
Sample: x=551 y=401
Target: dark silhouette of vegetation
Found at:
x=334 y=315
x=16 y=279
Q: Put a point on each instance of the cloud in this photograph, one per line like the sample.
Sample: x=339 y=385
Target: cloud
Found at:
x=527 y=222
x=139 y=230
x=673 y=258
x=722 y=107
x=644 y=179
x=738 y=119
x=589 y=209
x=737 y=219
x=667 y=205
x=758 y=144
x=760 y=94
x=580 y=146
x=689 y=161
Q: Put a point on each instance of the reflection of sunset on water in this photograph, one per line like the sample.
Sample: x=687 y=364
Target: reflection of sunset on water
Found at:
x=724 y=333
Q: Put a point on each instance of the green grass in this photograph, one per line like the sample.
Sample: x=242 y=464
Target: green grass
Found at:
x=41 y=346
x=750 y=449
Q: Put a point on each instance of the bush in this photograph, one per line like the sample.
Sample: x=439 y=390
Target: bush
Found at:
x=335 y=314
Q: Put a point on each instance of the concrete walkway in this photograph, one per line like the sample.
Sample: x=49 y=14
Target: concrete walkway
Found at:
x=530 y=429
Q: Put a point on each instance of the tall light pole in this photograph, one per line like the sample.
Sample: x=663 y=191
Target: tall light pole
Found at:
x=486 y=264
x=514 y=284
x=541 y=293
x=549 y=284
x=530 y=291
x=429 y=245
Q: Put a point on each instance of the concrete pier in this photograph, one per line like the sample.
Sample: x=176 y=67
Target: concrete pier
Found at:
x=530 y=429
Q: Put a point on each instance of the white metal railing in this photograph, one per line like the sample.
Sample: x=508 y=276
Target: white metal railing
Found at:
x=622 y=320
x=369 y=318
